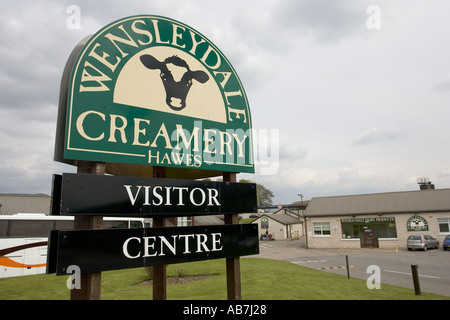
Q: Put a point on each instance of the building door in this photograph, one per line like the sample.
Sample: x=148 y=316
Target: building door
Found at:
x=370 y=239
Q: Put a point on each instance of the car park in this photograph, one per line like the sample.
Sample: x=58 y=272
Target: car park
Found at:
x=422 y=241
x=446 y=243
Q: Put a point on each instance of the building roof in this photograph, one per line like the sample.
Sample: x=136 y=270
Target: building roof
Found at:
x=281 y=218
x=433 y=200
x=208 y=220
x=300 y=203
x=12 y=203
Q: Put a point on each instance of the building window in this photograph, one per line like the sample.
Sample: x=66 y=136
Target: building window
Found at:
x=383 y=227
x=3 y=228
x=184 y=221
x=30 y=228
x=444 y=225
x=321 y=228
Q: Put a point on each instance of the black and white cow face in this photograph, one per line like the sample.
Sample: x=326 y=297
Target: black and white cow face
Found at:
x=176 y=90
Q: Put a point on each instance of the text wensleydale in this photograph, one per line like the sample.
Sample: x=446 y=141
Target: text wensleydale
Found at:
x=149 y=90
x=93 y=79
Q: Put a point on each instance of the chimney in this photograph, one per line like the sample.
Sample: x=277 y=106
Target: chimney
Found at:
x=425 y=184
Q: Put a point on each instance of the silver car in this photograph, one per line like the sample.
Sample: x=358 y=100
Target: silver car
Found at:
x=422 y=241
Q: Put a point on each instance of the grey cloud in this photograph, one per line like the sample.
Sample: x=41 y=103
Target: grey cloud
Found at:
x=375 y=135
x=33 y=49
x=261 y=38
x=442 y=84
x=292 y=152
x=324 y=20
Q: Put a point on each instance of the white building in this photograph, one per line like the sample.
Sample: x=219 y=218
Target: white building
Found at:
x=381 y=220
x=280 y=226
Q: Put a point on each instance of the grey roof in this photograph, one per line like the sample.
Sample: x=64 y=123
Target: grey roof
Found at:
x=208 y=220
x=12 y=203
x=300 y=203
x=433 y=200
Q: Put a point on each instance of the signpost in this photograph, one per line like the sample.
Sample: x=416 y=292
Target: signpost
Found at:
x=111 y=249
x=148 y=90
x=90 y=282
x=153 y=102
x=87 y=194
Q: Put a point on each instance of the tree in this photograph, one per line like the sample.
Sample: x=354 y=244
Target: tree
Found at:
x=264 y=196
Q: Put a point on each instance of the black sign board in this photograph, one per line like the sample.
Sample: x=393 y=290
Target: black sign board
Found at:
x=112 y=249
x=120 y=196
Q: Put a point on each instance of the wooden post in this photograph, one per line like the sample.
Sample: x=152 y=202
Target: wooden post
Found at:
x=233 y=264
x=348 y=268
x=416 y=282
x=90 y=283
x=159 y=272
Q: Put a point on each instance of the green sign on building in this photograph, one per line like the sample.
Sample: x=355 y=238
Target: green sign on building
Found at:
x=152 y=91
x=417 y=223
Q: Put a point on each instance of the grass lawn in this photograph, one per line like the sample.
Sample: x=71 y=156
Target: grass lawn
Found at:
x=262 y=279
x=247 y=220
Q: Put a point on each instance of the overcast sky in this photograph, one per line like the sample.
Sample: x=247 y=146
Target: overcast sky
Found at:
x=352 y=96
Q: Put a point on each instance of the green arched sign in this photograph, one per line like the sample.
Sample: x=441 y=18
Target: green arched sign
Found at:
x=148 y=90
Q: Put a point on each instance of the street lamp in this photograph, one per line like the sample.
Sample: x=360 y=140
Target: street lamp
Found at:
x=304 y=220
x=301 y=196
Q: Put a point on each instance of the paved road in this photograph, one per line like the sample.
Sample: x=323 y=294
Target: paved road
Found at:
x=395 y=265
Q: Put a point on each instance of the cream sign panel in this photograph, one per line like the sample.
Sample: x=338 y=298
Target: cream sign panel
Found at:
x=151 y=90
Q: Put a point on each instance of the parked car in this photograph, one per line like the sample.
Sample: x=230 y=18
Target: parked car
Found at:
x=422 y=241
x=446 y=242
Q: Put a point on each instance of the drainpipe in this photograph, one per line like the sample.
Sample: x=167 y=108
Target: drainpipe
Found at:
x=306 y=231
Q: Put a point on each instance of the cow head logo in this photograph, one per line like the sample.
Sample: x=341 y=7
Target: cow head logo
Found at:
x=417 y=223
x=176 y=90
